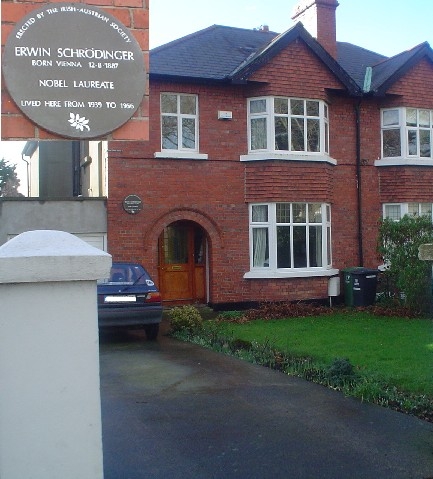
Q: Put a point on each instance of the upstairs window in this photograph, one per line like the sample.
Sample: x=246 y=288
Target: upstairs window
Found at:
x=407 y=133
x=290 y=236
x=288 y=125
x=179 y=122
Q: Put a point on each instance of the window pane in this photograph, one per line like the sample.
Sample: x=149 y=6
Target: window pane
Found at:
x=188 y=104
x=281 y=105
x=283 y=212
x=188 y=133
x=424 y=118
x=411 y=117
x=313 y=135
x=326 y=138
x=260 y=213
x=315 y=213
x=426 y=209
x=326 y=110
x=297 y=107
x=315 y=246
x=391 y=143
x=169 y=133
x=300 y=247
x=283 y=247
x=168 y=103
x=328 y=246
x=390 y=117
x=425 y=143
x=258 y=134
x=393 y=212
x=260 y=247
x=312 y=108
x=413 y=209
x=299 y=213
x=258 y=106
x=297 y=130
x=281 y=133
x=412 y=142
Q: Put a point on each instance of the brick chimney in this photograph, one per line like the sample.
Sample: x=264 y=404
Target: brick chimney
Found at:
x=318 y=17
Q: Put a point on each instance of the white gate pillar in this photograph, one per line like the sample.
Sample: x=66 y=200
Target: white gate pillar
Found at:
x=50 y=413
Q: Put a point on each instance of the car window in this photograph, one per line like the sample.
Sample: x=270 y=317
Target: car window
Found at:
x=127 y=274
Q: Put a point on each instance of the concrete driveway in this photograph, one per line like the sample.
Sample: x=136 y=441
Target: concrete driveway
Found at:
x=175 y=410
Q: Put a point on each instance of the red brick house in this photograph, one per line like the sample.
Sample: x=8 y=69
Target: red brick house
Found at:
x=271 y=159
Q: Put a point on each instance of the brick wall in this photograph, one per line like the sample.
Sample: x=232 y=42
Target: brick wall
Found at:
x=134 y=14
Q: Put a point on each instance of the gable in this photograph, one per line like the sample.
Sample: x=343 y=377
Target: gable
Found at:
x=297 y=71
x=416 y=85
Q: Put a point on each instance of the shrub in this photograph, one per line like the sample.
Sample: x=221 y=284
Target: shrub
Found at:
x=341 y=372
x=408 y=277
x=185 y=318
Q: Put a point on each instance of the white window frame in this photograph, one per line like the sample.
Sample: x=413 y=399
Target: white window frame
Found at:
x=270 y=224
x=405 y=158
x=181 y=151
x=270 y=152
x=412 y=208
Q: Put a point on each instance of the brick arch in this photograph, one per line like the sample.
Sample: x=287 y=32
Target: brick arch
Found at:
x=214 y=233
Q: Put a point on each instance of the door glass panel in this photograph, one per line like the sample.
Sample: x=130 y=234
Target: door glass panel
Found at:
x=199 y=246
x=176 y=245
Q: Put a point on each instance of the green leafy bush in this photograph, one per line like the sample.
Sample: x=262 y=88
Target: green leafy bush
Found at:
x=341 y=372
x=408 y=278
x=185 y=318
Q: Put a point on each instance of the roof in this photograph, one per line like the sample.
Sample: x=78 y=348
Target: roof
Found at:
x=385 y=73
x=227 y=54
x=212 y=53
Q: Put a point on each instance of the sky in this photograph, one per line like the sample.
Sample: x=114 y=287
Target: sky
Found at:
x=384 y=26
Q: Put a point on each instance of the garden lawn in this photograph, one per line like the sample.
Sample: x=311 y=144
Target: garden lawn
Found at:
x=396 y=350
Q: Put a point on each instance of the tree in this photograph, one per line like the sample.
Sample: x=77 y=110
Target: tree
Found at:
x=9 y=181
x=408 y=276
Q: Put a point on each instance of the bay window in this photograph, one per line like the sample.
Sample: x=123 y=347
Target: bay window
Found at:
x=290 y=237
x=288 y=125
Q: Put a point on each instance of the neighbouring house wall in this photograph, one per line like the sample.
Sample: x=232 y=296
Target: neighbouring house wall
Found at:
x=83 y=217
x=134 y=15
x=93 y=170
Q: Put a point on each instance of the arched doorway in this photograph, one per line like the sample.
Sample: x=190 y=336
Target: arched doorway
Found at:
x=182 y=250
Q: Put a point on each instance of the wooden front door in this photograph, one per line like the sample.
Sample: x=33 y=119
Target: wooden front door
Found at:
x=182 y=263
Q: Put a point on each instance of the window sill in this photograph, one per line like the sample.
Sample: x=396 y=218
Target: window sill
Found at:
x=302 y=273
x=320 y=158
x=182 y=155
x=404 y=162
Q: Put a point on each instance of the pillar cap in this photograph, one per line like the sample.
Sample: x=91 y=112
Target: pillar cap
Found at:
x=50 y=255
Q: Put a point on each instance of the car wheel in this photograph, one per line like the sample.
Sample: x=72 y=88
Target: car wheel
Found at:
x=152 y=331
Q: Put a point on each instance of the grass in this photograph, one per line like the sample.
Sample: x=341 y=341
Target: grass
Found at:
x=377 y=358
x=398 y=350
